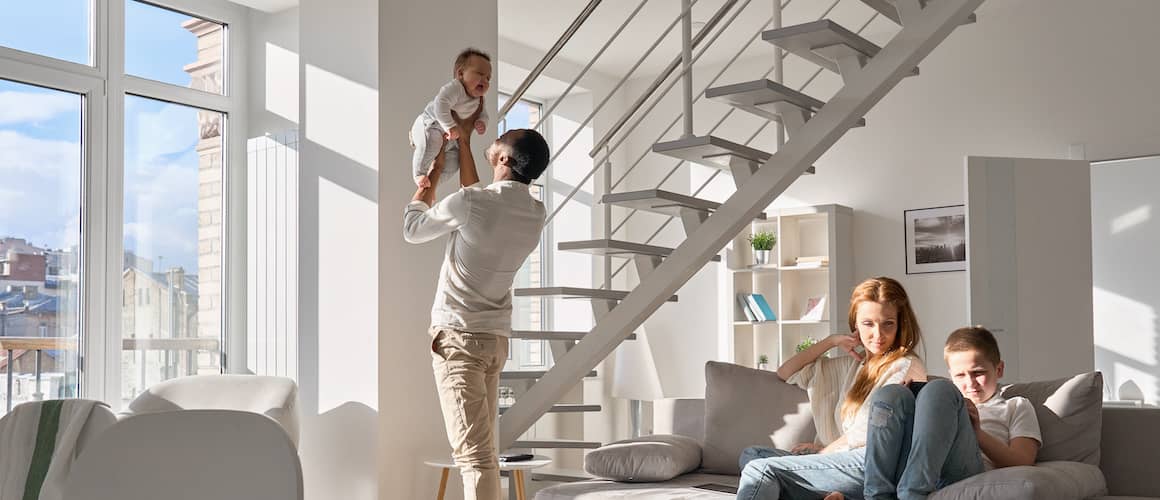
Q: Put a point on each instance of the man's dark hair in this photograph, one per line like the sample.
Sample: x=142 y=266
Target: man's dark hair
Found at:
x=461 y=59
x=529 y=156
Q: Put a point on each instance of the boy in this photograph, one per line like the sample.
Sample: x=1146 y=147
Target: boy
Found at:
x=918 y=444
x=463 y=95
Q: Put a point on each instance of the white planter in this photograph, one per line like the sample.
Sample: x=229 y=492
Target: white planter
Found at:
x=762 y=366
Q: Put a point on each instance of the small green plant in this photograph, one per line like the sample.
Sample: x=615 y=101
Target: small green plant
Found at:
x=763 y=240
x=763 y=360
x=805 y=344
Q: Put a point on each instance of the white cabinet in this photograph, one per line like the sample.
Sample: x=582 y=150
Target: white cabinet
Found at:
x=812 y=259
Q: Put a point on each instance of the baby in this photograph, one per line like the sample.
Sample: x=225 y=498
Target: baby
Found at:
x=463 y=95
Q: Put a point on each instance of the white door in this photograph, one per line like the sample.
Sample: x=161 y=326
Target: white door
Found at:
x=1029 y=262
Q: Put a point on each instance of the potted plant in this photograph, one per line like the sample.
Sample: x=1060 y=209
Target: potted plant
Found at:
x=763 y=362
x=805 y=344
x=763 y=242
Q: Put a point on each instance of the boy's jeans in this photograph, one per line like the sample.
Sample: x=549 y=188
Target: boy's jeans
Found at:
x=770 y=474
x=916 y=445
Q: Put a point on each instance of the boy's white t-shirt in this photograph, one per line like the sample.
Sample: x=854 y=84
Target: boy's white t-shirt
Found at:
x=1007 y=419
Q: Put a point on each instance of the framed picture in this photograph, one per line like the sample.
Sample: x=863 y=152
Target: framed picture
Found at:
x=815 y=306
x=936 y=239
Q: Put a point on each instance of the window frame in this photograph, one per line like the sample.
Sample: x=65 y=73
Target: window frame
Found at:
x=103 y=87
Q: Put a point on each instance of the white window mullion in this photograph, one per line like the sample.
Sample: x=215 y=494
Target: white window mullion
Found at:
x=112 y=52
x=153 y=89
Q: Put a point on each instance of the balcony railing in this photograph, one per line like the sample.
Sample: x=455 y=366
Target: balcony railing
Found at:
x=189 y=347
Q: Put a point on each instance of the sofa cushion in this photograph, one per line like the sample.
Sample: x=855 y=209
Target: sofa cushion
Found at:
x=1069 y=413
x=680 y=488
x=1043 y=481
x=746 y=407
x=645 y=459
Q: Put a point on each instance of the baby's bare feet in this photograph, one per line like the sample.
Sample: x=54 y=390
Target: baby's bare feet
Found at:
x=835 y=496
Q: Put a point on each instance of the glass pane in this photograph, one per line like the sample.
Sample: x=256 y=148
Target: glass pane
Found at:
x=172 y=47
x=171 y=289
x=60 y=29
x=40 y=235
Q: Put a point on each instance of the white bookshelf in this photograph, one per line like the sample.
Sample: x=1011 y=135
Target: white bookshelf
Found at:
x=787 y=285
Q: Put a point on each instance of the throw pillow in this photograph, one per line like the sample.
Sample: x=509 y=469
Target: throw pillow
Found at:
x=746 y=407
x=1069 y=412
x=646 y=459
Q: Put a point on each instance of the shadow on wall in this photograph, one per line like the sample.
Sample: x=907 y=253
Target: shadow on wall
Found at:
x=344 y=461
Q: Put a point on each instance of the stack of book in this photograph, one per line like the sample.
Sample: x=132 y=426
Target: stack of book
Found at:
x=755 y=307
x=812 y=261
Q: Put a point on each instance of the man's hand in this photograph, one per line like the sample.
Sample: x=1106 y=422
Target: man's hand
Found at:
x=452 y=134
x=464 y=126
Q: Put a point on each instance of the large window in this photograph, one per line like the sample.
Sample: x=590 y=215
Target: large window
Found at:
x=528 y=314
x=115 y=200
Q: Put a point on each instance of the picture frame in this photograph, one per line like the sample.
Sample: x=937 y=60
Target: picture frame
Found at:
x=815 y=308
x=935 y=239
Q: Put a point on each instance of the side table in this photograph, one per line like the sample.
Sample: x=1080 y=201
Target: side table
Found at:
x=517 y=482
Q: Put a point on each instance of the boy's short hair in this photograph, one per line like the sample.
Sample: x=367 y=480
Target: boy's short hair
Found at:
x=461 y=59
x=529 y=155
x=974 y=338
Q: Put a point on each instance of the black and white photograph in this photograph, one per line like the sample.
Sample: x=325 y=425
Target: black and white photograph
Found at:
x=936 y=239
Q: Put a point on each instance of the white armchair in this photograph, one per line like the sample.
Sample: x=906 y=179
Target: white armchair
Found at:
x=274 y=397
x=189 y=455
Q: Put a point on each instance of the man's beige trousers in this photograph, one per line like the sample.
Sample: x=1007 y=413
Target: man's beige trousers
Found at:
x=467 y=368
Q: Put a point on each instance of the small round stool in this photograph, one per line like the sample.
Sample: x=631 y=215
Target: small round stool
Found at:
x=516 y=468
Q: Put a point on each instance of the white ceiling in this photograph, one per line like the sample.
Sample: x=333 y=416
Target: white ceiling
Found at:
x=267 y=5
x=539 y=24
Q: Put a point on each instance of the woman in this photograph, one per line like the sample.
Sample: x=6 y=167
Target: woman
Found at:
x=881 y=320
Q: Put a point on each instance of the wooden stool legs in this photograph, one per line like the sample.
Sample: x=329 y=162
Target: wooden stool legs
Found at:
x=443 y=484
x=518 y=484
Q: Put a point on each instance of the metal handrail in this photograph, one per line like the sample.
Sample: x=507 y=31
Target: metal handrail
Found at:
x=665 y=74
x=567 y=35
x=746 y=143
x=647 y=93
x=560 y=99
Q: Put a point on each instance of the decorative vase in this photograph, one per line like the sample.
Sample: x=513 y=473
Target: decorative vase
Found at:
x=761 y=257
x=763 y=366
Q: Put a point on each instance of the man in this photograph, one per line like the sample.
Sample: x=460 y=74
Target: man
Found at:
x=493 y=229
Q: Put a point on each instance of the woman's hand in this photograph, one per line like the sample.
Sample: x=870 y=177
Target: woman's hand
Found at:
x=846 y=342
x=806 y=449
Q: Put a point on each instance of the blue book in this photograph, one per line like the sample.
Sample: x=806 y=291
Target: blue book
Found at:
x=763 y=308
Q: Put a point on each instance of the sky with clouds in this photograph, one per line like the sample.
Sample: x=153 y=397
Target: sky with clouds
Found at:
x=41 y=136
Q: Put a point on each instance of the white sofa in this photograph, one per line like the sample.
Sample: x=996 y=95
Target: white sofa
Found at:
x=1122 y=465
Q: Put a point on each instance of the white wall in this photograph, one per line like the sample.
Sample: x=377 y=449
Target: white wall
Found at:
x=338 y=248
x=413 y=62
x=1125 y=236
x=272 y=73
x=1021 y=82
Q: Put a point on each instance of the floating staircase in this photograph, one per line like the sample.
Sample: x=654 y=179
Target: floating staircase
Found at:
x=868 y=73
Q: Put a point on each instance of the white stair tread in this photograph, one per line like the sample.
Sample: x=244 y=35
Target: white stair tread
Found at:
x=617 y=248
x=564 y=408
x=752 y=96
x=802 y=39
x=661 y=202
x=557 y=444
x=551 y=335
x=530 y=374
x=576 y=293
x=887 y=8
x=709 y=150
